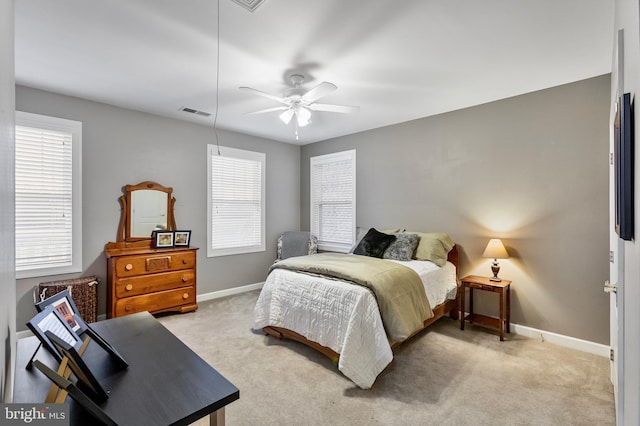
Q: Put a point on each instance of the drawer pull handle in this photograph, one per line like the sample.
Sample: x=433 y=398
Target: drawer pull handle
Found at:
x=127 y=308
x=184 y=261
x=128 y=266
x=185 y=296
x=128 y=287
x=185 y=279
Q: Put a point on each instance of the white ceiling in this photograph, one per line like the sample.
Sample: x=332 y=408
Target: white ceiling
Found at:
x=398 y=60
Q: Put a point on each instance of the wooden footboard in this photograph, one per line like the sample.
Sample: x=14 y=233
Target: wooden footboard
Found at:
x=284 y=333
x=450 y=307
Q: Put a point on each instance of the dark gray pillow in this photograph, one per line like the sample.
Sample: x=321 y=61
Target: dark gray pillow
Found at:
x=403 y=247
x=374 y=243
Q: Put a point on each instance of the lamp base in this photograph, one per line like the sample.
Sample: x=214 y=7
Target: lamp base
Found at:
x=495 y=268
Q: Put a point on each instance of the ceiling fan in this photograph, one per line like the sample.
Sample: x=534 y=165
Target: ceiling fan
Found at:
x=299 y=103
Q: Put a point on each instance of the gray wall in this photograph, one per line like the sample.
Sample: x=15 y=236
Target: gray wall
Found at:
x=7 y=227
x=122 y=147
x=532 y=170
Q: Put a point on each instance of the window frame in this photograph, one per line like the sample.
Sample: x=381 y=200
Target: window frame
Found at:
x=215 y=150
x=26 y=119
x=325 y=159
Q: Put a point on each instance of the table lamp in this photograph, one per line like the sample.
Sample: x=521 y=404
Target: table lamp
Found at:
x=495 y=250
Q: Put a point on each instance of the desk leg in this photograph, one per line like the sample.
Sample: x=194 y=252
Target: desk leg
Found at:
x=217 y=418
x=501 y=314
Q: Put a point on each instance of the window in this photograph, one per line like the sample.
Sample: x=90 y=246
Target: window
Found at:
x=333 y=200
x=236 y=213
x=48 y=200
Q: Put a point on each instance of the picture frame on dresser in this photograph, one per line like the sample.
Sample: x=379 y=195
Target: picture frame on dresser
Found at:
x=182 y=238
x=162 y=239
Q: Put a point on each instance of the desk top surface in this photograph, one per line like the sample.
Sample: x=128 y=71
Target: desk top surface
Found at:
x=166 y=382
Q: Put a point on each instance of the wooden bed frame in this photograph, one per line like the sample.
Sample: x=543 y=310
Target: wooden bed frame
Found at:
x=450 y=306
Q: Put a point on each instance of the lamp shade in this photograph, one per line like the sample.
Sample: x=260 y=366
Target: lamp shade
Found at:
x=495 y=250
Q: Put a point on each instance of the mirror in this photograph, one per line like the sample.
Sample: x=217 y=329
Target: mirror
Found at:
x=146 y=207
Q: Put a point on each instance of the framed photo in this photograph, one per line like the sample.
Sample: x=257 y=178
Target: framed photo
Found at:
x=182 y=238
x=63 y=303
x=51 y=320
x=162 y=239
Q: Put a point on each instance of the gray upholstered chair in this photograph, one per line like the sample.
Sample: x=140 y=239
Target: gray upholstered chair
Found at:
x=296 y=243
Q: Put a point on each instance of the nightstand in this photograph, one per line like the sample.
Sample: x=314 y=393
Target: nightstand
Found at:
x=503 y=288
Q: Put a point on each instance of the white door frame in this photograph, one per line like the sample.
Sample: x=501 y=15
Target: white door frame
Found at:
x=617 y=250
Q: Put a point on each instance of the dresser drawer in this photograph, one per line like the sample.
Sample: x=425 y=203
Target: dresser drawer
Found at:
x=145 y=264
x=126 y=287
x=156 y=302
x=481 y=286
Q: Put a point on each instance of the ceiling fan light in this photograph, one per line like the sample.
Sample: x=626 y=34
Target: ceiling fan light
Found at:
x=286 y=116
x=303 y=115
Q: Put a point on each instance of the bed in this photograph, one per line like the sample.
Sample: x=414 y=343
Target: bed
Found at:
x=355 y=325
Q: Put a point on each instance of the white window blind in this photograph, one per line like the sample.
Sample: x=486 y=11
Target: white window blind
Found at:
x=236 y=201
x=333 y=200
x=47 y=196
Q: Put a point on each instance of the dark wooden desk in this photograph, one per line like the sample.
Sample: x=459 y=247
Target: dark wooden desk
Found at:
x=166 y=382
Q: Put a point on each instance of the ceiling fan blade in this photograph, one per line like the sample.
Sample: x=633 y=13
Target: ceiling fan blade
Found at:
x=262 y=111
x=287 y=115
x=261 y=93
x=345 y=109
x=319 y=91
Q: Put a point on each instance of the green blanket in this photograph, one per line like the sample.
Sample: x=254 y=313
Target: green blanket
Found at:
x=398 y=289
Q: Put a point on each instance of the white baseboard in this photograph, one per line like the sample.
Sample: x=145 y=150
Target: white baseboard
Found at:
x=229 y=292
x=561 y=340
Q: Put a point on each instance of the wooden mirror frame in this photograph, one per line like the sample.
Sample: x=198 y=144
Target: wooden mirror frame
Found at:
x=124 y=228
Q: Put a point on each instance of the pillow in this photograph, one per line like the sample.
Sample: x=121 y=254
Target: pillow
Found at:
x=402 y=248
x=434 y=247
x=310 y=244
x=361 y=232
x=374 y=243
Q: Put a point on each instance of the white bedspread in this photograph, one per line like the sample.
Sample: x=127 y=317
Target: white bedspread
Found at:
x=342 y=316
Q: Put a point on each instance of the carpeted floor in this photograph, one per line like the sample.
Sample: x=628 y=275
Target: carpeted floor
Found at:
x=443 y=376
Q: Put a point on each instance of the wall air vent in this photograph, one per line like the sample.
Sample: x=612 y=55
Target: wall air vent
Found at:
x=195 y=111
x=250 y=5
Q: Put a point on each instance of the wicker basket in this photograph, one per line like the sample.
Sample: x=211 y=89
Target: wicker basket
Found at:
x=84 y=292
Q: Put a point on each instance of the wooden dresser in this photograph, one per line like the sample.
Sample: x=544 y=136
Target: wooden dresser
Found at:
x=142 y=278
